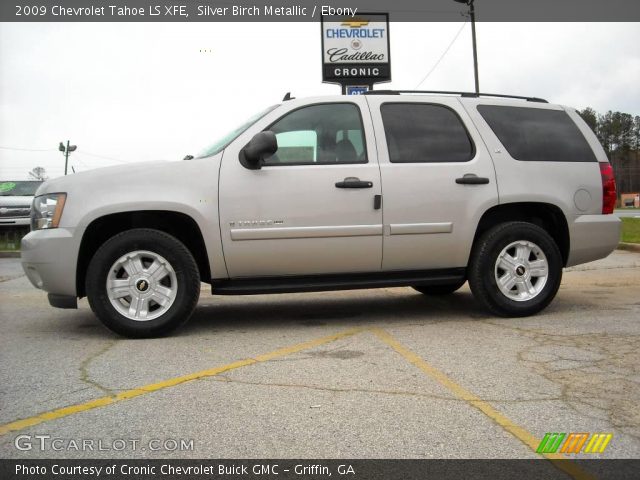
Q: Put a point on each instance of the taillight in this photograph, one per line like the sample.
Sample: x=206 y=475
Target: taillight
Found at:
x=609 y=195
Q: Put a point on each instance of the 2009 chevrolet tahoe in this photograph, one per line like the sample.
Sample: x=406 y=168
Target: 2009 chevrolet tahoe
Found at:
x=378 y=190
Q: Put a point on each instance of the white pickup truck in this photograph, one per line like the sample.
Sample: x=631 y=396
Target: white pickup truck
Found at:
x=379 y=190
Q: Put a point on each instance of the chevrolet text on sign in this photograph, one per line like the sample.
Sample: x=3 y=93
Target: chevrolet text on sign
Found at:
x=356 y=49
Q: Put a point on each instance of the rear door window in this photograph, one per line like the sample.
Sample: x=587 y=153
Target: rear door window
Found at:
x=425 y=133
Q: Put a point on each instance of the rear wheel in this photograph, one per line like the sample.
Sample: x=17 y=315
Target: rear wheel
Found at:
x=437 y=290
x=143 y=283
x=515 y=269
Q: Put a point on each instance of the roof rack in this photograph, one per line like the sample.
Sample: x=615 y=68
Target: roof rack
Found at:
x=462 y=94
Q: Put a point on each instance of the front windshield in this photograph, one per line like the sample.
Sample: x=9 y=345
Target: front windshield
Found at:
x=221 y=143
x=19 y=188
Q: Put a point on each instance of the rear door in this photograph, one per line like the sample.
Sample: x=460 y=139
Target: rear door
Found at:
x=437 y=177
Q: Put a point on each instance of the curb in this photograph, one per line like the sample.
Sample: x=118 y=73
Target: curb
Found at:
x=630 y=247
x=9 y=254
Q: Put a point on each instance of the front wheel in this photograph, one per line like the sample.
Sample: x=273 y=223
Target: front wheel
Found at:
x=143 y=283
x=515 y=269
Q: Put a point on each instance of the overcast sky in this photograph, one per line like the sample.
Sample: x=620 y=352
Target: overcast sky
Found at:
x=149 y=91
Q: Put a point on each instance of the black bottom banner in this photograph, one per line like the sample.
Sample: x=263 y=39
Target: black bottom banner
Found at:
x=286 y=469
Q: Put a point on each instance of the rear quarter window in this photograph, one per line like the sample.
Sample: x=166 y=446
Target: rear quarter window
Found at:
x=536 y=134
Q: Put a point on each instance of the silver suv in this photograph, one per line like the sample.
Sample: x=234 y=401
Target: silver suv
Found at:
x=387 y=189
x=15 y=202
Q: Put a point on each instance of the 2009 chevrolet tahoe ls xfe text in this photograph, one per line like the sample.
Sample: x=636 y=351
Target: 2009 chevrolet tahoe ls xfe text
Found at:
x=386 y=189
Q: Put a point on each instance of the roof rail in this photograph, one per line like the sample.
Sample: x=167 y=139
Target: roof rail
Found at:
x=462 y=94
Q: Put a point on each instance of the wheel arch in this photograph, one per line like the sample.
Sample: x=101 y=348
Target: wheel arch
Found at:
x=181 y=226
x=545 y=215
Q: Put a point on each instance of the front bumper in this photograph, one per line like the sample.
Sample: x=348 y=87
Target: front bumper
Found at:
x=592 y=237
x=49 y=259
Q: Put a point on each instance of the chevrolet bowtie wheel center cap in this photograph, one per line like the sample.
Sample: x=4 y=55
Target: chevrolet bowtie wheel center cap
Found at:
x=142 y=285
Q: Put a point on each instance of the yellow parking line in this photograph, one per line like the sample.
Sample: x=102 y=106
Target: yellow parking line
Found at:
x=559 y=461
x=172 y=382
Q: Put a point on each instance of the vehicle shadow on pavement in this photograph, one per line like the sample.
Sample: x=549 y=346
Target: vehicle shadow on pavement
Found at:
x=329 y=309
x=346 y=309
x=271 y=312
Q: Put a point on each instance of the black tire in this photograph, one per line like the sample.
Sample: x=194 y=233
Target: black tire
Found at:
x=482 y=269
x=184 y=267
x=438 y=290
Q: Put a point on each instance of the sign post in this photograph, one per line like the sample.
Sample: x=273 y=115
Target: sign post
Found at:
x=355 y=51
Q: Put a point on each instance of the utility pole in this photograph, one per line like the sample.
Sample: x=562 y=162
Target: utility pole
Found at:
x=66 y=151
x=472 y=14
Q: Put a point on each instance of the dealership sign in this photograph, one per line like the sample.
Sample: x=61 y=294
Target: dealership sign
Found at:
x=355 y=50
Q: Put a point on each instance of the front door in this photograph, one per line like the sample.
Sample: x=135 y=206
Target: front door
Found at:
x=311 y=208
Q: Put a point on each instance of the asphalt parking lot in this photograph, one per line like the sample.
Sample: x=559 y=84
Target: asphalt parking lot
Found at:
x=383 y=373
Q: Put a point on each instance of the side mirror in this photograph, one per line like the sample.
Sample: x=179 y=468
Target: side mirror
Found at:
x=254 y=152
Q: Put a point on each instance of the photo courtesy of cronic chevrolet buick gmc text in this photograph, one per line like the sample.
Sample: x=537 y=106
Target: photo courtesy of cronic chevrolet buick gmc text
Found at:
x=420 y=189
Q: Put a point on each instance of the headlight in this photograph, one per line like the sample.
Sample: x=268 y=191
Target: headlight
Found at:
x=47 y=210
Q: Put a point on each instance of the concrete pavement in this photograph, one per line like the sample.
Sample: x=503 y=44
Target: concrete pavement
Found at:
x=385 y=373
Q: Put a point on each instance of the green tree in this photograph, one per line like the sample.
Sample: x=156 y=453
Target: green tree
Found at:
x=590 y=117
x=619 y=134
x=636 y=134
x=605 y=132
x=625 y=131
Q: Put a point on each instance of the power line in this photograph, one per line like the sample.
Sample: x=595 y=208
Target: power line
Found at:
x=101 y=156
x=443 y=55
x=79 y=160
x=54 y=150
x=29 y=149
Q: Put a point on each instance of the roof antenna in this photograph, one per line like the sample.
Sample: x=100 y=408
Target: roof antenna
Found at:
x=288 y=97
